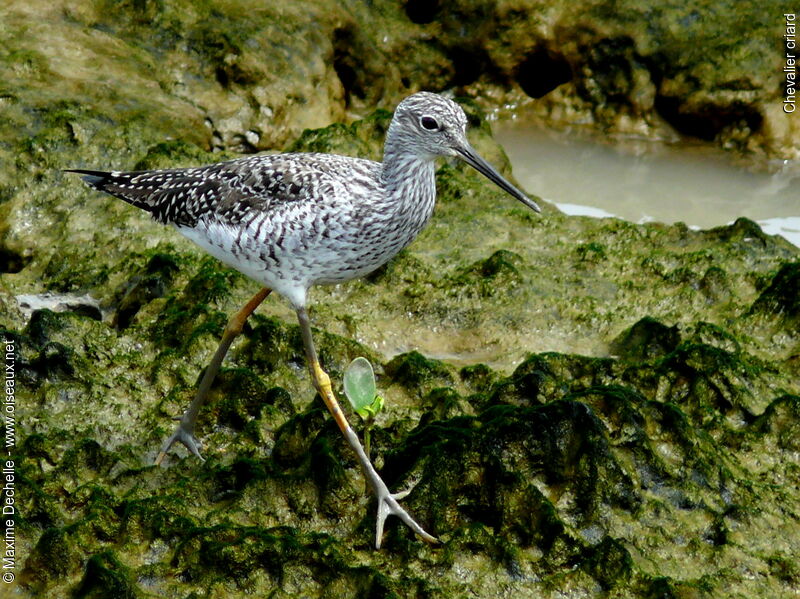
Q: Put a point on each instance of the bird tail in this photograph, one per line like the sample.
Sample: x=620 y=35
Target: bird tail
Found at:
x=120 y=185
x=93 y=178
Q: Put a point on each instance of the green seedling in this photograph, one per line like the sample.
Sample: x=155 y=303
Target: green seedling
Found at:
x=362 y=393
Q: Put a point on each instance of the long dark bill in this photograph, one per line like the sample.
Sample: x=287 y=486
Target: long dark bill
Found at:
x=469 y=156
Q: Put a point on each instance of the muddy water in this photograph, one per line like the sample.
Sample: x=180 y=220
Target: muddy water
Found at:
x=643 y=181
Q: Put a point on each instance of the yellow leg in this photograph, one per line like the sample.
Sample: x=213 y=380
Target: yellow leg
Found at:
x=323 y=385
x=387 y=502
x=184 y=433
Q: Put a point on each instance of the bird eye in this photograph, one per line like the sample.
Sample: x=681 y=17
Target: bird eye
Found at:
x=429 y=123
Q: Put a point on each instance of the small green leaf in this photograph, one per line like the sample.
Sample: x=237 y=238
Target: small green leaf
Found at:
x=370 y=411
x=359 y=386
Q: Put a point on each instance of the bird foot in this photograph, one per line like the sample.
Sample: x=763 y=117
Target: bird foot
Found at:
x=184 y=435
x=388 y=506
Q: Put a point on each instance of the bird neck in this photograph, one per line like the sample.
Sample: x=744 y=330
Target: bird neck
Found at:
x=405 y=172
x=409 y=184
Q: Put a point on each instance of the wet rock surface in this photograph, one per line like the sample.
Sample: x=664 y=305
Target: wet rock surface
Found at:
x=583 y=407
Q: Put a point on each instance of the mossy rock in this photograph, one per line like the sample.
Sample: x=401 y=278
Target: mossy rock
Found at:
x=781 y=422
x=646 y=340
x=153 y=281
x=497 y=274
x=418 y=373
x=780 y=301
x=106 y=576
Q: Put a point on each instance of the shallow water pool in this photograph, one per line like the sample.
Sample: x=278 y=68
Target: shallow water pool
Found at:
x=643 y=181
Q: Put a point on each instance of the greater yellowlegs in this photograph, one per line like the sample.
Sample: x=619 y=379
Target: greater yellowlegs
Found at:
x=290 y=221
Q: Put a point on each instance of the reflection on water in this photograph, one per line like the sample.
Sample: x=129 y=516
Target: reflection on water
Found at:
x=650 y=181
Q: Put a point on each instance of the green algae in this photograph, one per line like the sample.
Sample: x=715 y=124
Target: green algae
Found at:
x=527 y=487
x=415 y=371
x=106 y=576
x=646 y=340
x=779 y=300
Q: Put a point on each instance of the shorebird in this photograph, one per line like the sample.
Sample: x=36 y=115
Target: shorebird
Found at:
x=291 y=221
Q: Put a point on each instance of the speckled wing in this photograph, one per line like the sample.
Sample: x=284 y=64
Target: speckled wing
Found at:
x=231 y=191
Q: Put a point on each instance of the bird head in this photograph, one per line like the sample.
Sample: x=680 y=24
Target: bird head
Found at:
x=429 y=125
